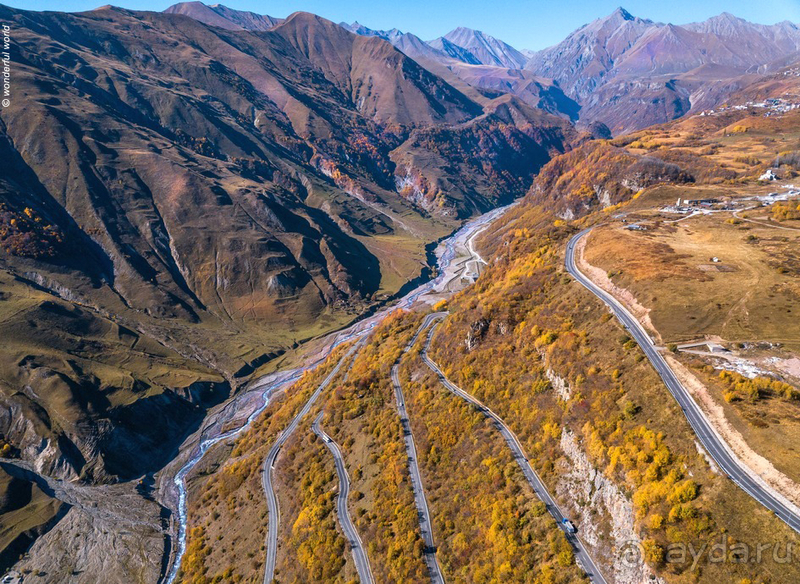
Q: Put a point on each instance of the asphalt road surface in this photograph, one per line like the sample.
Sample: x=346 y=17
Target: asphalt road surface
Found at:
x=270 y=384
x=581 y=554
x=359 y=554
x=269 y=463
x=416 y=480
x=736 y=470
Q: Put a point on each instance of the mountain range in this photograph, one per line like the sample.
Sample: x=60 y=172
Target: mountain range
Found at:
x=302 y=152
x=224 y=17
x=210 y=196
x=624 y=71
x=631 y=72
x=188 y=196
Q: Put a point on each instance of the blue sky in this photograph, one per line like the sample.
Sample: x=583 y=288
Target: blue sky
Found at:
x=531 y=24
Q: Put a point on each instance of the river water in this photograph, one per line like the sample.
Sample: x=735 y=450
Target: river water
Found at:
x=247 y=406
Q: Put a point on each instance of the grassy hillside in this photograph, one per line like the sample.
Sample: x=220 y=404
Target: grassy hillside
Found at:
x=579 y=393
x=487 y=521
x=748 y=295
x=361 y=418
x=185 y=204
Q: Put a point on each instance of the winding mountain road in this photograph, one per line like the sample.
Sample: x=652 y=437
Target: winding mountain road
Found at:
x=708 y=436
x=359 y=553
x=248 y=405
x=581 y=554
x=416 y=479
x=269 y=464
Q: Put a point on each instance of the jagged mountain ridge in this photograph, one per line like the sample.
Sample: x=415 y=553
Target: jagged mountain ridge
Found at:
x=483 y=48
x=586 y=56
x=481 y=81
x=498 y=65
x=625 y=71
x=224 y=17
x=631 y=72
x=621 y=70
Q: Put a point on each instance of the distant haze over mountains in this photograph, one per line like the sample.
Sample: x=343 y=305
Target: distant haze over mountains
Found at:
x=623 y=70
x=485 y=49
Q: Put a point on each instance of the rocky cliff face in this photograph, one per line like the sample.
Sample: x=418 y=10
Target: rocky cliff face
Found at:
x=583 y=61
x=597 y=496
x=598 y=174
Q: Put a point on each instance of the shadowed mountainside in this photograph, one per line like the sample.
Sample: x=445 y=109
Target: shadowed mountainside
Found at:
x=188 y=201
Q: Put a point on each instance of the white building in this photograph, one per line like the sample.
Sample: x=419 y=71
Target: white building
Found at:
x=769 y=175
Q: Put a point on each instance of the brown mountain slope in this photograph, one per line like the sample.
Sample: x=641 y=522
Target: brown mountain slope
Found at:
x=379 y=81
x=224 y=17
x=474 y=46
x=220 y=195
x=480 y=82
x=631 y=73
x=498 y=153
